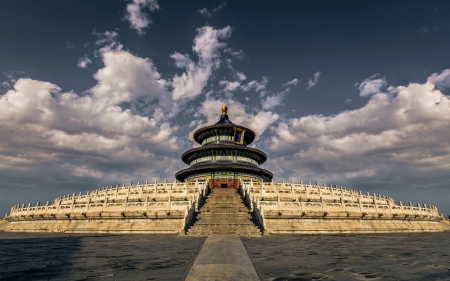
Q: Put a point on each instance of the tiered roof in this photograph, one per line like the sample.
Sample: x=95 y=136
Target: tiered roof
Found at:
x=224 y=139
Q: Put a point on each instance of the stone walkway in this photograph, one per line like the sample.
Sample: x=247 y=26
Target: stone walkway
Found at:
x=424 y=256
x=223 y=258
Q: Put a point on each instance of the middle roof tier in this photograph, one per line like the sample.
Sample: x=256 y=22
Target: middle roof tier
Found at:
x=224 y=150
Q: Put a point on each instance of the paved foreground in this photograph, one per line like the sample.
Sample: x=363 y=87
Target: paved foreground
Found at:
x=96 y=257
x=277 y=257
x=419 y=256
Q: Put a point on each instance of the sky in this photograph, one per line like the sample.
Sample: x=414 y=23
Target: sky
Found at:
x=349 y=93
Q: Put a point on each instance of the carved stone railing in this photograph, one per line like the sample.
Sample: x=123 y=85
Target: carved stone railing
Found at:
x=166 y=198
x=308 y=201
x=245 y=192
x=157 y=198
x=195 y=205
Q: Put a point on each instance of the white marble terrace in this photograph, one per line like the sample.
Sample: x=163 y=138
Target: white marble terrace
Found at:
x=298 y=200
x=182 y=200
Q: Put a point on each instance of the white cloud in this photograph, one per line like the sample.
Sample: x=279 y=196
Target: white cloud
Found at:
x=56 y=134
x=204 y=12
x=238 y=54
x=313 y=82
x=6 y=85
x=207 y=47
x=293 y=82
x=272 y=101
x=424 y=29
x=124 y=78
x=207 y=13
x=405 y=131
x=241 y=76
x=229 y=86
x=136 y=15
x=255 y=85
x=83 y=62
x=442 y=81
x=12 y=75
x=216 y=9
x=106 y=41
x=349 y=100
x=370 y=86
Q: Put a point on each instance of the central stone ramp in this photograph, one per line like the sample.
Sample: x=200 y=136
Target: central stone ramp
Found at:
x=224 y=213
x=223 y=258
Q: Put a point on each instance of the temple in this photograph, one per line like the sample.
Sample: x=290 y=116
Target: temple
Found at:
x=224 y=159
x=224 y=191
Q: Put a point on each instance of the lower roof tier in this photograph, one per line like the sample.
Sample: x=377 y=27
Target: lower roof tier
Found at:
x=232 y=167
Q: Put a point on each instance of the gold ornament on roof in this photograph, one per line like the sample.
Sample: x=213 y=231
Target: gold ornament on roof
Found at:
x=224 y=109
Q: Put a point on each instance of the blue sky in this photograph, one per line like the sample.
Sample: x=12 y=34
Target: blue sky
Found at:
x=350 y=93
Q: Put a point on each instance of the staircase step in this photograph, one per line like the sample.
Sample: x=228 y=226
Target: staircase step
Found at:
x=224 y=213
x=224 y=219
x=242 y=233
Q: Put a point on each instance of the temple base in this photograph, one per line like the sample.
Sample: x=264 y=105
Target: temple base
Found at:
x=224 y=183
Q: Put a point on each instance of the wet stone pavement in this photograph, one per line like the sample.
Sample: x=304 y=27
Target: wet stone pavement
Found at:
x=423 y=256
x=96 y=257
x=276 y=257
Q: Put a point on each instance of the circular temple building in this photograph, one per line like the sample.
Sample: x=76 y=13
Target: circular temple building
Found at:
x=224 y=157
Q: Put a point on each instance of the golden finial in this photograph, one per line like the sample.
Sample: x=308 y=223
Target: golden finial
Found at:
x=224 y=109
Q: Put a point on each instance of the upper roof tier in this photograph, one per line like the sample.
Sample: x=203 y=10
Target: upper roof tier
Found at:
x=224 y=127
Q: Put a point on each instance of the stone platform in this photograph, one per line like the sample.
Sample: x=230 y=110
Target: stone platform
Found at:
x=260 y=207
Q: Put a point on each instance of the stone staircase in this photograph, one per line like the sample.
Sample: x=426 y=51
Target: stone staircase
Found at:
x=224 y=213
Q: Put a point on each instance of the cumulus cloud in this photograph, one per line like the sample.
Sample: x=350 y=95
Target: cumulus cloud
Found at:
x=370 y=86
x=83 y=62
x=102 y=135
x=442 y=81
x=136 y=15
x=58 y=137
x=207 y=47
x=313 y=82
x=398 y=134
x=124 y=78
